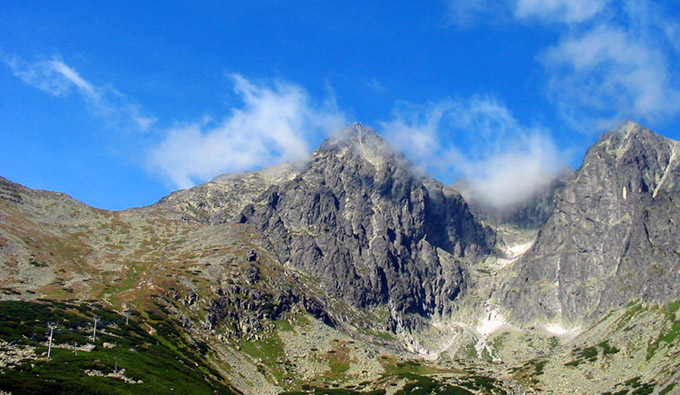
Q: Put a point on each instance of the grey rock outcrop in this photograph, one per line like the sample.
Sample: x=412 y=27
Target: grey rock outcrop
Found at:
x=372 y=231
x=612 y=237
x=223 y=198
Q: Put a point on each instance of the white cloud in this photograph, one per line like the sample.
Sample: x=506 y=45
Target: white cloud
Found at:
x=612 y=60
x=414 y=131
x=59 y=79
x=275 y=124
x=506 y=178
x=376 y=86
x=615 y=68
x=62 y=70
x=504 y=162
x=605 y=74
x=671 y=30
x=567 y=11
x=468 y=13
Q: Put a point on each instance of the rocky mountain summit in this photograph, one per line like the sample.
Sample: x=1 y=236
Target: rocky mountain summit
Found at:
x=373 y=231
x=359 y=217
x=612 y=236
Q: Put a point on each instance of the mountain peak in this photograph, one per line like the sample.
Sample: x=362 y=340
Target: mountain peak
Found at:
x=628 y=125
x=357 y=134
x=359 y=141
x=628 y=130
x=630 y=140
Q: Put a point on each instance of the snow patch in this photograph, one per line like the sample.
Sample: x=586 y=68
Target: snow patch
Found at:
x=490 y=323
x=557 y=329
x=674 y=153
x=513 y=252
x=519 y=249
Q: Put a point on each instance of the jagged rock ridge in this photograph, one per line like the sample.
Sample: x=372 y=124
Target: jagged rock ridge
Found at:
x=612 y=237
x=372 y=230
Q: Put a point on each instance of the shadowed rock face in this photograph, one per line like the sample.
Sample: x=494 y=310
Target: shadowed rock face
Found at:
x=612 y=236
x=371 y=230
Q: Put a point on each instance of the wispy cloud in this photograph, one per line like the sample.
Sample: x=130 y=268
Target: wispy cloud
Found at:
x=614 y=68
x=57 y=78
x=566 y=11
x=503 y=162
x=612 y=59
x=414 y=130
x=275 y=124
x=605 y=74
x=468 y=13
x=513 y=175
x=376 y=86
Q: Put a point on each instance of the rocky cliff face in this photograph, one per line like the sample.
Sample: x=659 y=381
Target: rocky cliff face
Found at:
x=371 y=230
x=612 y=237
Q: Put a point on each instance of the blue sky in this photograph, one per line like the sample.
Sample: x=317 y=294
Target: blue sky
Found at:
x=120 y=103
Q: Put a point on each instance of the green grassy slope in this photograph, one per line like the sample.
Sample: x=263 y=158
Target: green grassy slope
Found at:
x=128 y=357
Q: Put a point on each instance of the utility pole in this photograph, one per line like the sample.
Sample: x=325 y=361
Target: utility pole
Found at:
x=52 y=326
x=94 y=332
